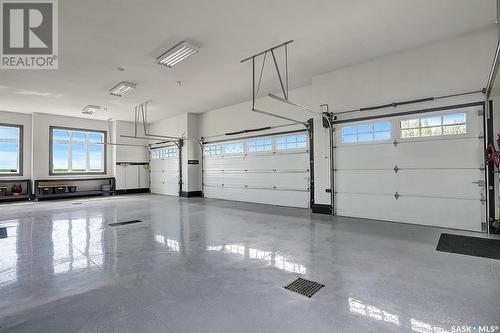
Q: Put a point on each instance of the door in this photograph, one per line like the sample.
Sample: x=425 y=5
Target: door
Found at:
x=120 y=177
x=270 y=170
x=144 y=176
x=165 y=171
x=424 y=168
x=132 y=176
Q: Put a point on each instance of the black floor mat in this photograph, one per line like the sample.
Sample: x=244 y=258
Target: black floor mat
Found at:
x=471 y=246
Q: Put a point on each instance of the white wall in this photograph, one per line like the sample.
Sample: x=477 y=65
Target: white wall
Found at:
x=41 y=144
x=240 y=116
x=128 y=153
x=25 y=120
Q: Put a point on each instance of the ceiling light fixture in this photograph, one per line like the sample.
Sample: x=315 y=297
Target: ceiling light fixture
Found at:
x=91 y=109
x=122 y=89
x=176 y=54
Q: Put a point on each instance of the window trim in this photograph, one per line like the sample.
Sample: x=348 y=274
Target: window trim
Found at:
x=207 y=148
x=160 y=152
x=432 y=137
x=284 y=150
x=223 y=147
x=263 y=138
x=374 y=141
x=51 y=147
x=20 y=154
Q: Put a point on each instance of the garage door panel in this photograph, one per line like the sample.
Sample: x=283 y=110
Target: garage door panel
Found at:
x=264 y=170
x=364 y=181
x=258 y=162
x=263 y=180
x=368 y=156
x=457 y=214
x=271 y=197
x=440 y=183
x=165 y=176
x=463 y=153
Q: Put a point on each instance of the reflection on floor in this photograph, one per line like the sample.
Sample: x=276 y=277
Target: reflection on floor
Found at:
x=201 y=265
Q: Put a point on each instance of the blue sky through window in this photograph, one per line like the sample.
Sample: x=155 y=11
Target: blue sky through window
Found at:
x=77 y=151
x=9 y=149
x=8 y=156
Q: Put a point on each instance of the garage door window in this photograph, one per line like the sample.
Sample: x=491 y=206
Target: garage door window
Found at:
x=449 y=124
x=260 y=145
x=367 y=132
x=10 y=150
x=169 y=152
x=291 y=142
x=234 y=148
x=212 y=150
x=77 y=151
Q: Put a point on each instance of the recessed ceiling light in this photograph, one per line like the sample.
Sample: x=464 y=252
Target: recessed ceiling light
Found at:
x=122 y=89
x=178 y=53
x=91 y=109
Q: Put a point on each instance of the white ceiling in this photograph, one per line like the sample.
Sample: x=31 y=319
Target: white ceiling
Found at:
x=97 y=36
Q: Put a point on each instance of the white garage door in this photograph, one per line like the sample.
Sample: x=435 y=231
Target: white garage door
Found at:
x=271 y=170
x=165 y=171
x=425 y=169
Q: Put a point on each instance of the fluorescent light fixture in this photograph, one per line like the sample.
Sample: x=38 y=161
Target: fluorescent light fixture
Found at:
x=91 y=109
x=178 y=53
x=122 y=89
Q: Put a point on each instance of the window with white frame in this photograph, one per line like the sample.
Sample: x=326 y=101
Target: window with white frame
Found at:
x=447 y=124
x=367 y=132
x=298 y=141
x=234 y=148
x=260 y=145
x=77 y=151
x=158 y=154
x=155 y=154
x=169 y=152
x=212 y=150
x=11 y=150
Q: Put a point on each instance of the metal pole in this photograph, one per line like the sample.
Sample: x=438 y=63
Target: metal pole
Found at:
x=265 y=51
x=279 y=75
x=281 y=117
x=286 y=68
x=253 y=83
x=493 y=72
x=305 y=108
x=135 y=121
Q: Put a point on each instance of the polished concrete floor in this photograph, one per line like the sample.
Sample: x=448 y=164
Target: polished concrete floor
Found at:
x=202 y=265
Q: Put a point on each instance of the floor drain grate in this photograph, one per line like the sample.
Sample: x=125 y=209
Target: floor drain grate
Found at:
x=124 y=223
x=305 y=287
